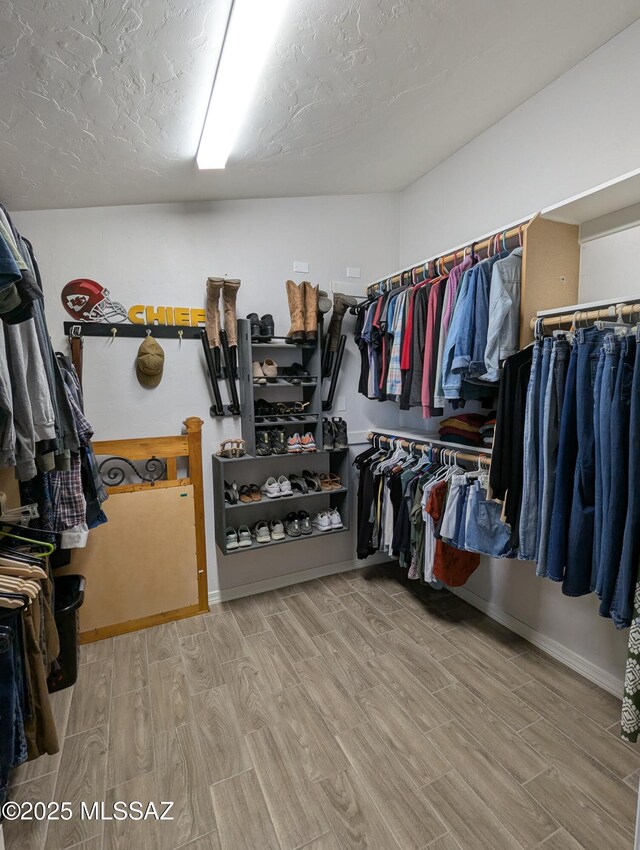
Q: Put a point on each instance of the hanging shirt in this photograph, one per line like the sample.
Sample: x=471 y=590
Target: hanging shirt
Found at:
x=394 y=373
x=503 y=331
x=462 y=315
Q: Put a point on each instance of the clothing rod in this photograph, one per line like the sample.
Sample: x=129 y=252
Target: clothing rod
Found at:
x=579 y=317
x=456 y=253
x=481 y=455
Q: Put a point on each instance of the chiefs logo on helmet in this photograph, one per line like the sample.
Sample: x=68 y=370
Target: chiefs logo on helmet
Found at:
x=87 y=300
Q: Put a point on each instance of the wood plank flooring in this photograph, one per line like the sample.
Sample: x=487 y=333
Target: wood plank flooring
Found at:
x=348 y=713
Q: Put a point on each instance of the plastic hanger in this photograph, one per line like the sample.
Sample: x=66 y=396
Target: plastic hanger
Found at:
x=49 y=549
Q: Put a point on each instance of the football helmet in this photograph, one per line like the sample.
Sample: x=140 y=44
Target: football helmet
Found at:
x=89 y=301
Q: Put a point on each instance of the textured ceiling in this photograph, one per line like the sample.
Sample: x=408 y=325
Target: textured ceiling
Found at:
x=102 y=101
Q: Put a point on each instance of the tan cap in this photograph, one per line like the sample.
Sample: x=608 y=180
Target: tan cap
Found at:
x=150 y=362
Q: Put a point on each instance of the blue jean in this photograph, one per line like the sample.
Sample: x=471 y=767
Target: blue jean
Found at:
x=13 y=746
x=463 y=500
x=622 y=603
x=611 y=347
x=614 y=519
x=484 y=530
x=565 y=469
x=590 y=361
x=553 y=403
x=529 y=509
x=547 y=347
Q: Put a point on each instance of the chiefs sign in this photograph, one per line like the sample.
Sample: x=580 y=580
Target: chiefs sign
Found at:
x=88 y=301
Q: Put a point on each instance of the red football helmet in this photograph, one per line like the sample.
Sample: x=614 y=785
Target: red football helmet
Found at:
x=87 y=300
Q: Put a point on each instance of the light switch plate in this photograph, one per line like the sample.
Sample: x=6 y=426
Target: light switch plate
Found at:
x=353 y=271
x=299 y=266
x=341 y=403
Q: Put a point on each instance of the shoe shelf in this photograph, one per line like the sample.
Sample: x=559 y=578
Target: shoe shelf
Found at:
x=252 y=469
x=285 y=500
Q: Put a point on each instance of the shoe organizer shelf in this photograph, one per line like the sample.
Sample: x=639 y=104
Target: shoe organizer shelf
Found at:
x=250 y=469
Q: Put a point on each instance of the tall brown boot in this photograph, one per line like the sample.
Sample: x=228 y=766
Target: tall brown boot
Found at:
x=214 y=288
x=341 y=304
x=229 y=295
x=310 y=310
x=295 y=295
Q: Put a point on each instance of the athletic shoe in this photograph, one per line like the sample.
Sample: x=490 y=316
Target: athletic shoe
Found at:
x=263 y=443
x=271 y=488
x=308 y=442
x=261 y=532
x=277 y=441
x=335 y=518
x=276 y=529
x=231 y=539
x=305 y=522
x=244 y=537
x=321 y=521
x=285 y=486
x=294 y=444
x=292 y=524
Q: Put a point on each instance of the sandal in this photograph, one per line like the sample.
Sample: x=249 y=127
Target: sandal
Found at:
x=232 y=448
x=231 y=493
x=245 y=494
x=335 y=481
x=312 y=481
x=265 y=410
x=299 y=484
x=325 y=483
x=254 y=492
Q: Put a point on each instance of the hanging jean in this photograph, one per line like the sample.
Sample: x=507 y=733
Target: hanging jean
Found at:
x=552 y=407
x=622 y=604
x=459 y=541
x=529 y=509
x=455 y=498
x=13 y=746
x=563 y=489
x=547 y=347
x=614 y=519
x=611 y=348
x=590 y=362
x=484 y=530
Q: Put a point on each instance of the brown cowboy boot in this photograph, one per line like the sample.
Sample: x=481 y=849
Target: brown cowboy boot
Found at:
x=295 y=295
x=229 y=295
x=341 y=304
x=214 y=288
x=310 y=311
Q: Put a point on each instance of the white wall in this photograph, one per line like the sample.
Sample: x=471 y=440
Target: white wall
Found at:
x=577 y=133
x=162 y=255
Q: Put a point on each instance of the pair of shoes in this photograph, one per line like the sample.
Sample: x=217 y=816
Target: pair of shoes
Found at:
x=265 y=373
x=330 y=481
x=327 y=520
x=297 y=444
x=298 y=523
x=334 y=434
x=232 y=448
x=250 y=493
x=271 y=442
x=274 y=489
x=266 y=532
x=303 y=307
x=291 y=411
x=231 y=494
x=261 y=329
x=240 y=539
x=229 y=290
x=296 y=374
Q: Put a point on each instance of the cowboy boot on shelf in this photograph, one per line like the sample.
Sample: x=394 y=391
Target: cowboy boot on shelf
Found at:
x=295 y=296
x=229 y=294
x=310 y=311
x=214 y=288
x=341 y=304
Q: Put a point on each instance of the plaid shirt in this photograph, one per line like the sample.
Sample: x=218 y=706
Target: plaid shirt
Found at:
x=394 y=375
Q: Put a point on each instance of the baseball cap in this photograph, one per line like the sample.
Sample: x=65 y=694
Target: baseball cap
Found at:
x=150 y=363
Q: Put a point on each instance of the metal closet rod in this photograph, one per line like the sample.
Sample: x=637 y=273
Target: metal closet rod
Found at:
x=480 y=454
x=579 y=317
x=452 y=257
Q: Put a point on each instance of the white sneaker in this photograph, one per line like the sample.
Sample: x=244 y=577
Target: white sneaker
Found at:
x=335 y=518
x=271 y=488
x=285 y=486
x=321 y=521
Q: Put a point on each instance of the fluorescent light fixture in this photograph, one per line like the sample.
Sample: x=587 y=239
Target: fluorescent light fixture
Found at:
x=251 y=32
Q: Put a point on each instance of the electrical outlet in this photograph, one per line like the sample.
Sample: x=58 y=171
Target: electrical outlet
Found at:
x=353 y=271
x=341 y=403
x=300 y=267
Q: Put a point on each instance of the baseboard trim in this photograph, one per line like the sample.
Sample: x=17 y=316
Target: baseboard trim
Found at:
x=277 y=582
x=556 y=650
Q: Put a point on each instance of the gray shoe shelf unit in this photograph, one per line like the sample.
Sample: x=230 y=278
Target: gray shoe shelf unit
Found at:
x=250 y=469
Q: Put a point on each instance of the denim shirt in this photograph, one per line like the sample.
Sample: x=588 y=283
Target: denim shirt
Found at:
x=503 y=333
x=483 y=289
x=462 y=317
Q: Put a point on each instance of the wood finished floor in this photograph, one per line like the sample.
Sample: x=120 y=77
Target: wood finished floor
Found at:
x=340 y=714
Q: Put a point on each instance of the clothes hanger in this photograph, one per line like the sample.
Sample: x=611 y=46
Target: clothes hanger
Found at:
x=620 y=326
x=11 y=567
x=14 y=601
x=21 y=586
x=48 y=548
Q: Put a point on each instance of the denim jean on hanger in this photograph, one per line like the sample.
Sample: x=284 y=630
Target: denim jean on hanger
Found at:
x=455 y=497
x=590 y=362
x=529 y=510
x=611 y=348
x=565 y=470
x=459 y=541
x=13 y=746
x=622 y=603
x=484 y=530
x=614 y=519
x=547 y=347
x=552 y=407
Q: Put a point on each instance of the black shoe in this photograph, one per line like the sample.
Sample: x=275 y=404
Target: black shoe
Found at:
x=304 y=520
x=277 y=441
x=256 y=328
x=292 y=524
x=327 y=434
x=263 y=444
x=340 y=437
x=267 y=328
x=297 y=374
